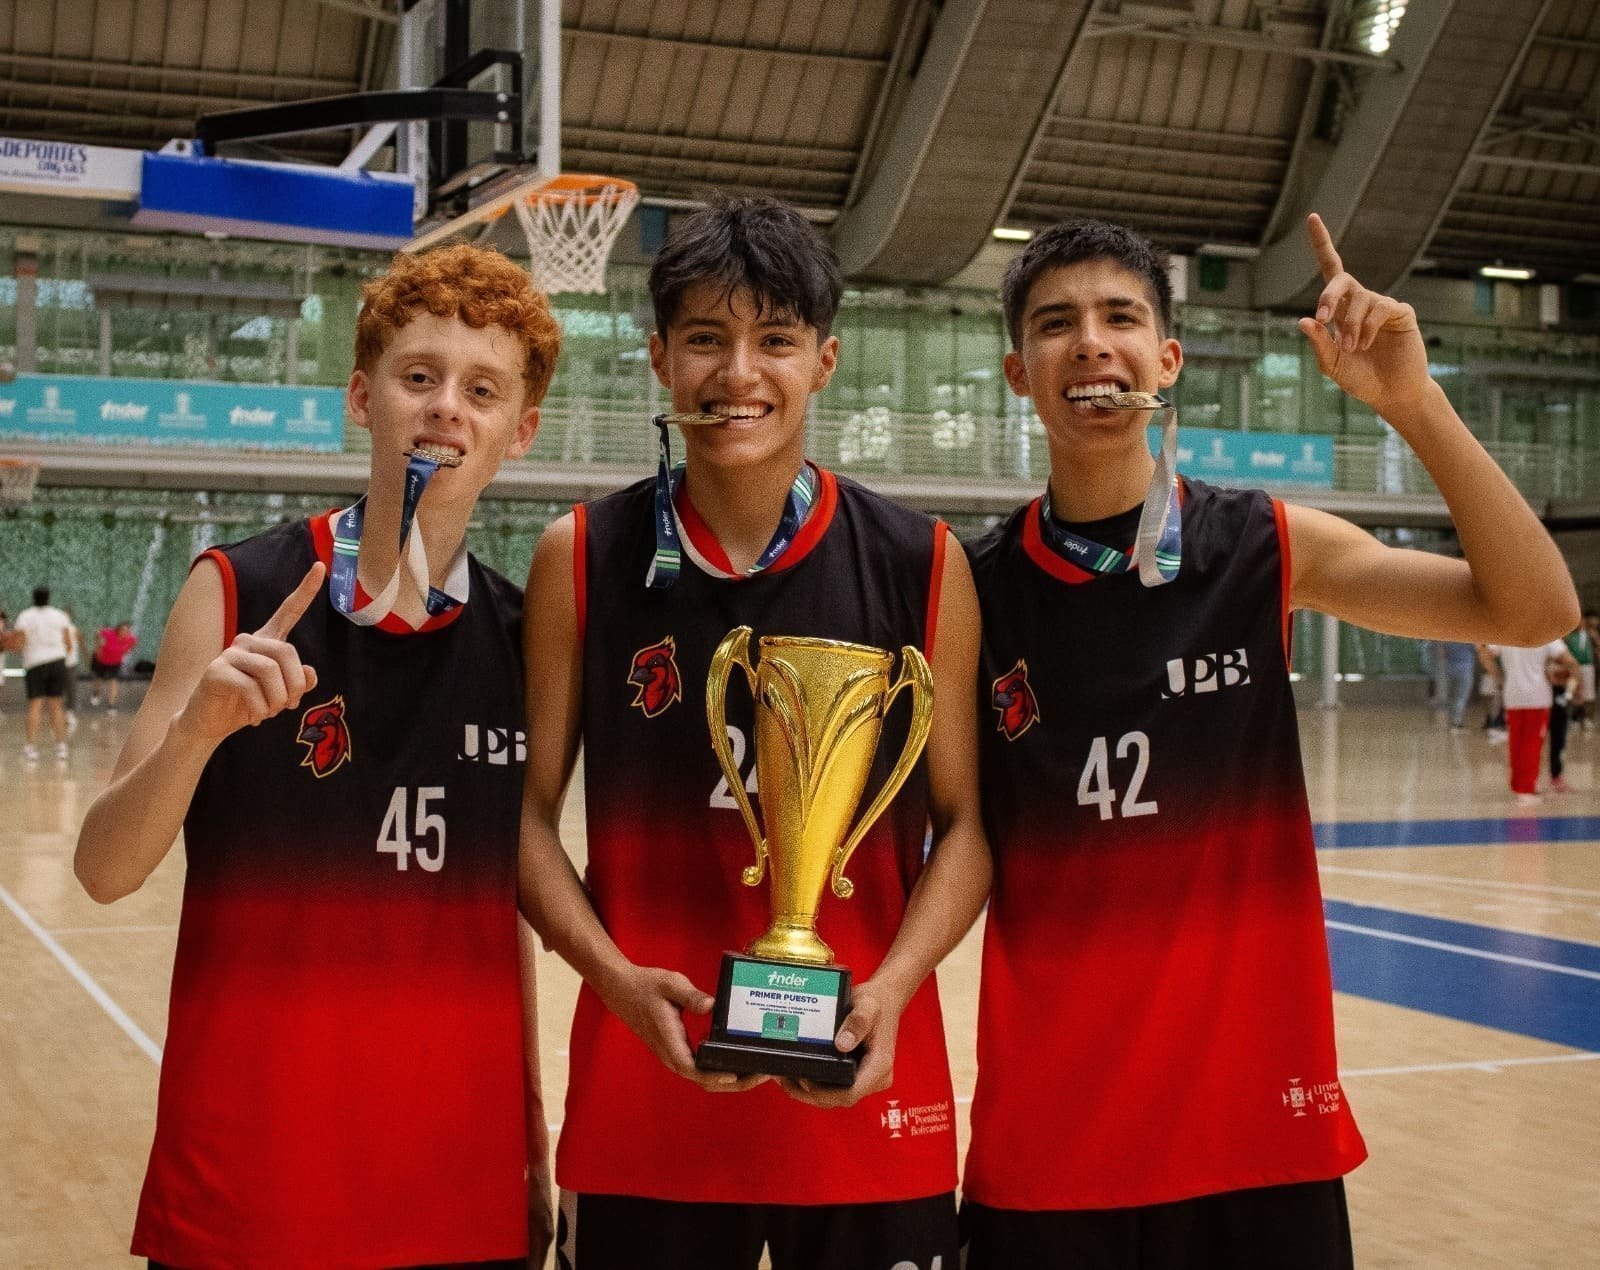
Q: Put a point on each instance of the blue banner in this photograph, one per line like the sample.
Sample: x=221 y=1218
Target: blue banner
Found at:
x=171 y=412
x=1252 y=458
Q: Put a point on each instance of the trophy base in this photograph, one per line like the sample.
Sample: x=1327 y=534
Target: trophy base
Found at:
x=778 y=1018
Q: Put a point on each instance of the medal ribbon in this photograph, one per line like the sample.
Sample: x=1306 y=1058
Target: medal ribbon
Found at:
x=1158 y=545
x=413 y=557
x=672 y=544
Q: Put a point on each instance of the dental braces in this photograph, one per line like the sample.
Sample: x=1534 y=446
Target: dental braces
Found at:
x=440 y=458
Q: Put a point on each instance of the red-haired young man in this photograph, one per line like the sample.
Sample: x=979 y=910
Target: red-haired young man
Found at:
x=335 y=724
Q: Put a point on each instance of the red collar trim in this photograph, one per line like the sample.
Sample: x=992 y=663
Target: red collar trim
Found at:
x=322 y=544
x=1039 y=551
x=705 y=542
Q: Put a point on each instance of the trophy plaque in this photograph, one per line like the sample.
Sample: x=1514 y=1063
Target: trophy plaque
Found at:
x=819 y=710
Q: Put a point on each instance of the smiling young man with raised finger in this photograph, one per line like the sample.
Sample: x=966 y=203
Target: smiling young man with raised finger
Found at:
x=344 y=1079
x=1157 y=1083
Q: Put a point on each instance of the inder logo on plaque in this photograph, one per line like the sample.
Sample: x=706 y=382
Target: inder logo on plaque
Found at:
x=820 y=705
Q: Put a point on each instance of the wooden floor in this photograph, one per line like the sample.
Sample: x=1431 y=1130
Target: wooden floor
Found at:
x=1485 y=1138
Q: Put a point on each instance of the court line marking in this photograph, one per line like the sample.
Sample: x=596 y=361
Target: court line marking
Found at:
x=1481 y=1065
x=1441 y=946
x=111 y=930
x=98 y=994
x=1534 y=888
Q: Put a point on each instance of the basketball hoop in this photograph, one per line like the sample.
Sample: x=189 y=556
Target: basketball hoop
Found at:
x=17 y=480
x=570 y=223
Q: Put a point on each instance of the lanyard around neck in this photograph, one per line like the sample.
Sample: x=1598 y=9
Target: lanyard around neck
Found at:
x=1158 y=545
x=672 y=544
x=413 y=557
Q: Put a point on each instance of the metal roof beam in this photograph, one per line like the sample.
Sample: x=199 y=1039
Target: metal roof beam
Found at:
x=1540 y=165
x=235 y=79
x=664 y=42
x=1172 y=130
x=1405 y=146
x=373 y=10
x=984 y=85
x=620 y=138
x=142 y=96
x=1235 y=38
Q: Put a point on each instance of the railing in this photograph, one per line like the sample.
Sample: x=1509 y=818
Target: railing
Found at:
x=982 y=448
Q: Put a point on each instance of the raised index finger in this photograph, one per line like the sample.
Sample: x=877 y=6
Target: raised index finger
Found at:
x=1322 y=244
x=294 y=605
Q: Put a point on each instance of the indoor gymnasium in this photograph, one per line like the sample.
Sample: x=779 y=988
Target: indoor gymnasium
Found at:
x=1352 y=254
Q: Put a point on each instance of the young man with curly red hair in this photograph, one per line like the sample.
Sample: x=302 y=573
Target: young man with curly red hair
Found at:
x=336 y=724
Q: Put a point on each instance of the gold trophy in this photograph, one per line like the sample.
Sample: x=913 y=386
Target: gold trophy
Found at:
x=819 y=709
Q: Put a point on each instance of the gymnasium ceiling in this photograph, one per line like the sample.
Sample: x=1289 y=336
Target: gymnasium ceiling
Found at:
x=1469 y=135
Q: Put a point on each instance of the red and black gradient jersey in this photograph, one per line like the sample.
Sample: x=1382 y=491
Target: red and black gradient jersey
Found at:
x=667 y=845
x=1156 y=1019
x=342 y=1080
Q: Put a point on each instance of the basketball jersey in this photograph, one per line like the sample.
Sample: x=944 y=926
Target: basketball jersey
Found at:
x=667 y=846
x=1155 y=1017
x=342 y=1082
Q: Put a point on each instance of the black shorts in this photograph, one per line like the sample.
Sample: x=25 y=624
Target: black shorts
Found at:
x=104 y=669
x=48 y=679
x=624 y=1232
x=1305 y=1226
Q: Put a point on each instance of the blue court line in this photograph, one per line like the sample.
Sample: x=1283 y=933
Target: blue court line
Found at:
x=1528 y=984
x=1336 y=834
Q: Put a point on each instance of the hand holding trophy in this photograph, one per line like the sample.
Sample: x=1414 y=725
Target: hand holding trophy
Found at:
x=820 y=706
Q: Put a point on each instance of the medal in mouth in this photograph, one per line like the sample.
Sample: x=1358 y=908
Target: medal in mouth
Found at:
x=1130 y=401
x=435 y=455
x=690 y=419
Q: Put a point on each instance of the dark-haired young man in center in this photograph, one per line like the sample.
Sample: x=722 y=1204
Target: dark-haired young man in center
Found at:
x=659 y=1164
x=1157 y=1080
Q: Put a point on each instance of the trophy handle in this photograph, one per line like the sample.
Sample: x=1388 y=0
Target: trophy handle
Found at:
x=914 y=674
x=734 y=651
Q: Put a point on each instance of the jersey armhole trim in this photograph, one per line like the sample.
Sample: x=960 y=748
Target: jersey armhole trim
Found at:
x=230 y=591
x=1285 y=575
x=941 y=538
x=580 y=551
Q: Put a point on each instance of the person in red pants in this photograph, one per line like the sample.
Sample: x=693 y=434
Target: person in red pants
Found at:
x=1524 y=676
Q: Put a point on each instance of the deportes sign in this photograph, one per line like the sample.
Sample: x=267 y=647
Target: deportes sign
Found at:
x=171 y=412
x=66 y=169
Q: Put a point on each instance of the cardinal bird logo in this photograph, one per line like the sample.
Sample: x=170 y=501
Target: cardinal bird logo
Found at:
x=654 y=674
x=326 y=737
x=1014 y=701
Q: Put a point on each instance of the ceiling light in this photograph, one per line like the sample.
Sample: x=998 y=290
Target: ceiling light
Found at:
x=1008 y=235
x=1500 y=271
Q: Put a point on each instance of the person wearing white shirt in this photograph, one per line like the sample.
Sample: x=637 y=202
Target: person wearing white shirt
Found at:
x=1525 y=684
x=43 y=634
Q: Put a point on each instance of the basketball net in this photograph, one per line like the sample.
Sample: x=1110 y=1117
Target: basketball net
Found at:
x=17 y=480
x=570 y=223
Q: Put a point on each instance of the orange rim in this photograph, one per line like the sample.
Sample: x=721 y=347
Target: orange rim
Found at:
x=579 y=187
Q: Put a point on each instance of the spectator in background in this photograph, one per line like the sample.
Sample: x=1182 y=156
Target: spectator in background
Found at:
x=1581 y=645
x=69 y=694
x=111 y=645
x=43 y=635
x=1524 y=677
x=1566 y=692
x=1459 y=663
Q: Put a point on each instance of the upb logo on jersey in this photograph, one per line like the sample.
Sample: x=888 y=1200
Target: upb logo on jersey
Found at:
x=497 y=747
x=326 y=736
x=1014 y=701
x=1209 y=672
x=654 y=675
